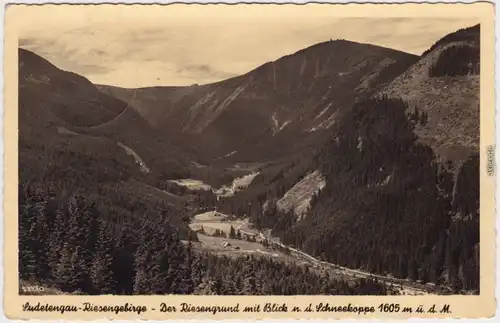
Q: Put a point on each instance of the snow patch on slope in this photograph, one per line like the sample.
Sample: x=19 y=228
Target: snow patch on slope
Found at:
x=283 y=125
x=360 y=143
x=40 y=79
x=303 y=67
x=324 y=110
x=192 y=184
x=214 y=110
x=231 y=97
x=385 y=181
x=65 y=131
x=202 y=101
x=299 y=196
x=325 y=124
x=276 y=124
x=138 y=160
x=237 y=185
x=370 y=78
x=330 y=121
x=275 y=120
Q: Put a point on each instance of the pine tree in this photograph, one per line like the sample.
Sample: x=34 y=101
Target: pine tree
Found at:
x=232 y=233
x=82 y=219
x=70 y=274
x=217 y=285
x=249 y=282
x=90 y=231
x=155 y=261
x=56 y=242
x=188 y=282
x=205 y=288
x=144 y=256
x=27 y=259
x=238 y=285
x=267 y=287
x=39 y=232
x=102 y=274
x=123 y=264
x=63 y=272
x=79 y=278
x=423 y=118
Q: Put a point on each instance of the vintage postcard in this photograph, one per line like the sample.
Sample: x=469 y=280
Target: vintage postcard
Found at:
x=250 y=161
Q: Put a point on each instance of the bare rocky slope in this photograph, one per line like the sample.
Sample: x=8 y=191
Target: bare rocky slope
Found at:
x=368 y=157
x=274 y=109
x=395 y=165
x=449 y=99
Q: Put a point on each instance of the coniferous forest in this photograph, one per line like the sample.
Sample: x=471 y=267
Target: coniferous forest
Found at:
x=67 y=244
x=380 y=173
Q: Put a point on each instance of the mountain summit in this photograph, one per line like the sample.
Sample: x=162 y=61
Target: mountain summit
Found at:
x=395 y=186
x=351 y=154
x=280 y=103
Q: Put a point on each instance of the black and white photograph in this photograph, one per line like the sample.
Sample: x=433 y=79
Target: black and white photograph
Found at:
x=273 y=151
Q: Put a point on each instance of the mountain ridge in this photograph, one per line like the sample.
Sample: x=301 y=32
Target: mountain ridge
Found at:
x=361 y=156
x=450 y=103
x=387 y=176
x=268 y=96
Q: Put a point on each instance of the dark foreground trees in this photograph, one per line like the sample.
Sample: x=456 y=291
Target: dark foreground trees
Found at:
x=389 y=205
x=67 y=244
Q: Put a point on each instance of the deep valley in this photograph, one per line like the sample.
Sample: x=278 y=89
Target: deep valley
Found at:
x=342 y=169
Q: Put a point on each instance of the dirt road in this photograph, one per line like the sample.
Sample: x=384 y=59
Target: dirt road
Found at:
x=215 y=220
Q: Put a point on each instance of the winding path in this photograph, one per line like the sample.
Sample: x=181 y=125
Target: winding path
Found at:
x=125 y=110
x=412 y=287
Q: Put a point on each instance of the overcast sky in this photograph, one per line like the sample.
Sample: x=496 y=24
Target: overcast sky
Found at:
x=182 y=45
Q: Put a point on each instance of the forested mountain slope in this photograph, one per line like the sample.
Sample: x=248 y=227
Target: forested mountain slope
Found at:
x=56 y=105
x=443 y=89
x=401 y=169
x=363 y=156
x=69 y=246
x=272 y=110
x=73 y=138
x=91 y=220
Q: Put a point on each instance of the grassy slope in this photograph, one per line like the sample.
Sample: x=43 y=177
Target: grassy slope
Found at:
x=451 y=102
x=69 y=135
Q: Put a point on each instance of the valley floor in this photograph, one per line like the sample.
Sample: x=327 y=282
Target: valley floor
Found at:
x=214 y=234
x=259 y=243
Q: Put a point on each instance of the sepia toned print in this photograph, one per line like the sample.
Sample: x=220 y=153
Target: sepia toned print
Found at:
x=249 y=161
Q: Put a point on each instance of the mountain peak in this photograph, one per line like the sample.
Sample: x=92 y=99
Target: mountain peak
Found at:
x=293 y=96
x=432 y=84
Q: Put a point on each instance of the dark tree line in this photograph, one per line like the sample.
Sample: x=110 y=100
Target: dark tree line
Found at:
x=469 y=34
x=457 y=60
x=262 y=276
x=418 y=117
x=69 y=245
x=388 y=206
x=258 y=201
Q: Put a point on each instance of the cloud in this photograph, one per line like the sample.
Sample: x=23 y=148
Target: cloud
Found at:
x=65 y=56
x=204 y=69
x=26 y=42
x=121 y=47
